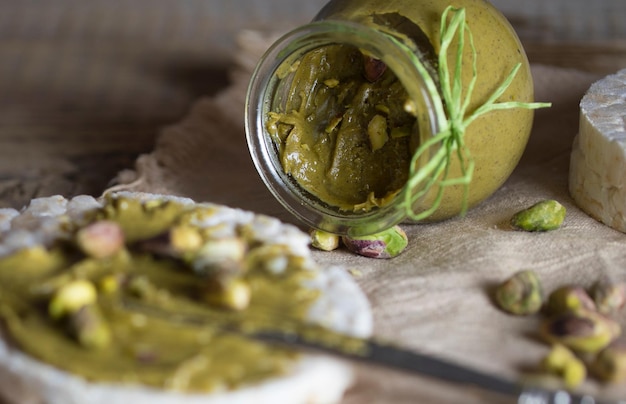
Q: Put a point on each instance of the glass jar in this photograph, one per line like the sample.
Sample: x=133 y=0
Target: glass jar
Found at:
x=381 y=112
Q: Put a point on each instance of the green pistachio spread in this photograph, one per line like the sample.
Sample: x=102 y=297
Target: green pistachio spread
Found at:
x=107 y=341
x=343 y=132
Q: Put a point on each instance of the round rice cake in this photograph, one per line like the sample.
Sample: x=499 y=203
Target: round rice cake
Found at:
x=339 y=305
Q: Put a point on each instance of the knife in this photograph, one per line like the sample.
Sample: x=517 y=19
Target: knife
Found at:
x=398 y=358
x=374 y=352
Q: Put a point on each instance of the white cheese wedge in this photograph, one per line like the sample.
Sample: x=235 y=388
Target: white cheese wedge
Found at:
x=597 y=178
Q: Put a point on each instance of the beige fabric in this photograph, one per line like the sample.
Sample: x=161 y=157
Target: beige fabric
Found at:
x=435 y=296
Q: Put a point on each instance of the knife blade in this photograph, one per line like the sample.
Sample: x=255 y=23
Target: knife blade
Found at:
x=374 y=352
x=379 y=353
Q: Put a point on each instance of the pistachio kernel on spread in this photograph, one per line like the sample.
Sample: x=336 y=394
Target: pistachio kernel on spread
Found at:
x=71 y=297
x=229 y=293
x=100 y=239
x=89 y=327
x=377 y=132
x=66 y=303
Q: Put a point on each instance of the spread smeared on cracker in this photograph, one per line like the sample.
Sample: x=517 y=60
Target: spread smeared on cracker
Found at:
x=68 y=270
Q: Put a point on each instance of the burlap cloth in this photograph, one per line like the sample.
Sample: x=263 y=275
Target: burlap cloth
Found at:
x=435 y=296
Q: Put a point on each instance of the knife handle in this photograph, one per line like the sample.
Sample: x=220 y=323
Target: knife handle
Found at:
x=531 y=396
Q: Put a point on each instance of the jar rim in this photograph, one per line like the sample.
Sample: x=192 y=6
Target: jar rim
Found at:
x=396 y=55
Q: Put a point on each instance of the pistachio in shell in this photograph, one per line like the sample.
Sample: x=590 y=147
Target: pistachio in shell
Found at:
x=386 y=244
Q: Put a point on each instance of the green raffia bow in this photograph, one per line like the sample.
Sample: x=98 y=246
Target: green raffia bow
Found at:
x=451 y=136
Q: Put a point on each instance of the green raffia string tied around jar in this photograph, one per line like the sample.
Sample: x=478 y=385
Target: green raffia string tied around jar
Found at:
x=434 y=173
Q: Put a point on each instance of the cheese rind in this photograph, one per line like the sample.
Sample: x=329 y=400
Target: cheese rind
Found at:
x=597 y=178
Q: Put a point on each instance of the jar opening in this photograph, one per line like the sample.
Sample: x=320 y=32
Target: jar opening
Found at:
x=334 y=111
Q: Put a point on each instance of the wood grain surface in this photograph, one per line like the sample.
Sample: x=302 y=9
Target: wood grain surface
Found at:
x=86 y=87
x=82 y=93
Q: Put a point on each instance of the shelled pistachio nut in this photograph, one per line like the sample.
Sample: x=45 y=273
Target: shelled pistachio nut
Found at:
x=556 y=359
x=569 y=298
x=521 y=294
x=378 y=132
x=583 y=331
x=324 y=241
x=610 y=364
x=609 y=296
x=562 y=362
x=542 y=216
x=386 y=244
x=574 y=373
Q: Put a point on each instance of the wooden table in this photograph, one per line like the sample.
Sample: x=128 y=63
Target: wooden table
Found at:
x=84 y=91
